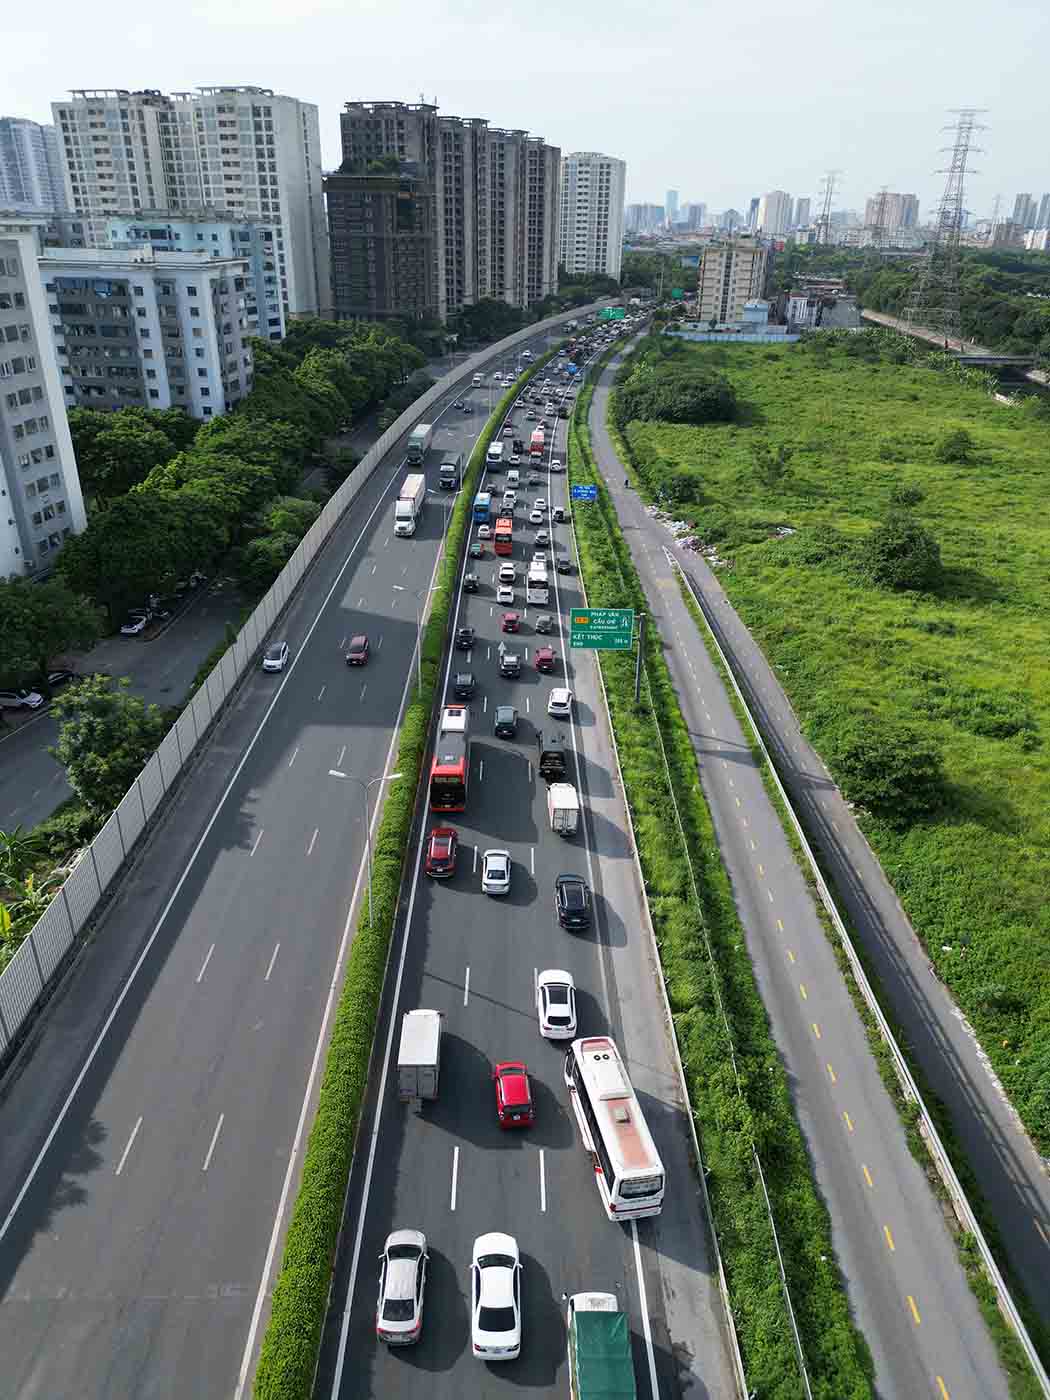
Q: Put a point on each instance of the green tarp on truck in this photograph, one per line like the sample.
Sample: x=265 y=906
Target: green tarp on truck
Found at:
x=600 y=1357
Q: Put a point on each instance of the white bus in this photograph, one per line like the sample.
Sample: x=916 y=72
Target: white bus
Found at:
x=494 y=456
x=627 y=1167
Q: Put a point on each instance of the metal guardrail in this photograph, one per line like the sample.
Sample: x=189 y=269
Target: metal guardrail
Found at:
x=100 y=865
x=935 y=1147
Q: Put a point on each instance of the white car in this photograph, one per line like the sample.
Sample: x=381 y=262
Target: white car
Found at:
x=484 y=532
x=555 y=464
x=505 y=594
x=275 y=658
x=495 y=872
x=507 y=573
x=560 y=703
x=556 y=1004
x=495 y=1293
x=134 y=626
x=536 y=516
x=402 y=1279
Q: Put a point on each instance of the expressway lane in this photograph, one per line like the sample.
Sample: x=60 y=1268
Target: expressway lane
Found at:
x=903 y=1277
x=450 y=1170
x=145 y=1145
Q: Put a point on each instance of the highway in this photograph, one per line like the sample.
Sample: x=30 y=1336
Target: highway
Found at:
x=905 y=1284
x=449 y=1170
x=150 y=1141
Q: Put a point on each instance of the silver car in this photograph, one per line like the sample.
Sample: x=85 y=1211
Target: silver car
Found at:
x=402 y=1280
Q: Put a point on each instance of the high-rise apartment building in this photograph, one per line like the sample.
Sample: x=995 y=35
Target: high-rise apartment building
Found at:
x=43 y=503
x=671 y=207
x=1042 y=219
x=243 y=151
x=643 y=218
x=774 y=214
x=732 y=272
x=429 y=213
x=802 y=207
x=30 y=171
x=1024 y=211
x=898 y=210
x=752 y=213
x=591 y=223
x=729 y=220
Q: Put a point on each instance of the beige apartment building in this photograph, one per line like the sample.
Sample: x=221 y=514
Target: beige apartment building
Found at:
x=732 y=272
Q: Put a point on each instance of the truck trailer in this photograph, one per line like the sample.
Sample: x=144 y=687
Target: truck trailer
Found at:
x=450 y=473
x=563 y=808
x=409 y=504
x=536 y=444
x=419 y=1056
x=600 y=1365
x=419 y=440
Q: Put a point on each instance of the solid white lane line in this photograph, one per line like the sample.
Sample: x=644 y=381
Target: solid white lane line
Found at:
x=644 y=1309
x=320 y=693
x=313 y=838
x=214 y=1140
x=532 y=858
x=127 y=1149
x=455 y=1175
x=204 y=964
x=527 y=706
x=273 y=959
x=339 y=760
x=475 y=870
x=485 y=705
x=466 y=987
x=543 y=1187
x=292 y=759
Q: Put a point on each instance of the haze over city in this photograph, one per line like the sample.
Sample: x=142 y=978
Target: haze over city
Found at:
x=718 y=102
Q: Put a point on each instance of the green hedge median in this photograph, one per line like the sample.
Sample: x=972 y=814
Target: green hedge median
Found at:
x=288 y=1358
x=707 y=970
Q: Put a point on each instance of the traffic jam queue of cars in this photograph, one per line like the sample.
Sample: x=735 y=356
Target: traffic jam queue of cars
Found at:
x=628 y=1172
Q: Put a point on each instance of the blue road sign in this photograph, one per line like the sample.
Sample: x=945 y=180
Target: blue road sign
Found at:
x=583 y=493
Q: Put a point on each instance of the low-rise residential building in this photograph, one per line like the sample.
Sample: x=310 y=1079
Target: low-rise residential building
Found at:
x=42 y=503
x=138 y=326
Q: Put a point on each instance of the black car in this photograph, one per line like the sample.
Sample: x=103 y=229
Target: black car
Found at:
x=505 y=724
x=464 y=685
x=510 y=664
x=465 y=638
x=572 y=902
x=468 y=408
x=563 y=564
x=470 y=583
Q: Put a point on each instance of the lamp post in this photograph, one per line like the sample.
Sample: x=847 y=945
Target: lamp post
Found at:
x=420 y=596
x=448 y=501
x=365 y=786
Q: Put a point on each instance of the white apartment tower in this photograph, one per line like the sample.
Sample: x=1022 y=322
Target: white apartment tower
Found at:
x=592 y=203
x=774 y=214
x=42 y=502
x=243 y=151
x=30 y=171
x=732 y=273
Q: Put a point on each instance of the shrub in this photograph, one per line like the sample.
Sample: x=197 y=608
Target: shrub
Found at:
x=901 y=554
x=889 y=767
x=954 y=445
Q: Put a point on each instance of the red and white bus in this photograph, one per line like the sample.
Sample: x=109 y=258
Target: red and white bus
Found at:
x=503 y=535
x=627 y=1167
x=536 y=443
x=450 y=766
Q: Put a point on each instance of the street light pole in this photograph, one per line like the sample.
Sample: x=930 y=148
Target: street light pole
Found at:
x=382 y=778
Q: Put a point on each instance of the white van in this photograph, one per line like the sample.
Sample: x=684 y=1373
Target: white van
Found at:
x=513 y=479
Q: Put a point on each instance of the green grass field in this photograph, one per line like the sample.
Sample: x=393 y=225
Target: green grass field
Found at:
x=969 y=664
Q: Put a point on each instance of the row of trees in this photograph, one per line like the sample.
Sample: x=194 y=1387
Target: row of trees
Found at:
x=661 y=383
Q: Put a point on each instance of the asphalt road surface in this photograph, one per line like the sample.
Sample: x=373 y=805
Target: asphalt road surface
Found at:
x=151 y=1140
x=449 y=1169
x=905 y=1283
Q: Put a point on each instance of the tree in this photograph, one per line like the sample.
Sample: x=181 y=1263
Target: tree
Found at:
x=37 y=622
x=289 y=515
x=675 y=393
x=105 y=739
x=890 y=768
x=954 y=445
x=901 y=554
x=259 y=563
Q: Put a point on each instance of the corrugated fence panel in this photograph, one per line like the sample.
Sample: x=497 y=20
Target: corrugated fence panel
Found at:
x=228 y=670
x=129 y=810
x=52 y=936
x=151 y=786
x=81 y=892
x=201 y=710
x=108 y=851
x=216 y=692
x=19 y=987
x=187 y=735
x=168 y=754
x=241 y=651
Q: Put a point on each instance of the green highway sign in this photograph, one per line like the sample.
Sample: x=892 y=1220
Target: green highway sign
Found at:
x=602 y=629
x=677 y=293
x=611 y=313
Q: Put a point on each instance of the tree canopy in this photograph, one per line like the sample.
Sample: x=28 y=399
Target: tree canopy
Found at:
x=39 y=620
x=105 y=739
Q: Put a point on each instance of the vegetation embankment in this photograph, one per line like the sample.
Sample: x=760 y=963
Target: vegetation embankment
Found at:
x=905 y=617
x=738 y=1091
x=290 y=1347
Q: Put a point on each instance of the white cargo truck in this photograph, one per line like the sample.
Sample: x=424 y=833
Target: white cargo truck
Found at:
x=419 y=1056
x=563 y=808
x=477 y=381
x=537 y=590
x=409 y=504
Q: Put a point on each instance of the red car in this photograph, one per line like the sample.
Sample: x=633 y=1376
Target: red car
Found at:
x=359 y=651
x=441 y=852
x=544 y=659
x=513 y=1095
x=510 y=622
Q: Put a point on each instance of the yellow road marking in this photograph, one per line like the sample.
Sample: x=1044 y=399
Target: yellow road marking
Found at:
x=791 y=955
x=914 y=1311
x=780 y=925
x=943 y=1389
x=867 y=1176
x=737 y=801
x=761 y=871
x=889 y=1241
x=753 y=846
x=816 y=1030
x=832 y=1073
x=849 y=1120
x=802 y=989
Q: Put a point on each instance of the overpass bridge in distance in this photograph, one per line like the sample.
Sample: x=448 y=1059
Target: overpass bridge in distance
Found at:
x=967 y=354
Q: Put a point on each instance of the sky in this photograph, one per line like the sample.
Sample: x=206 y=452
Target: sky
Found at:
x=721 y=102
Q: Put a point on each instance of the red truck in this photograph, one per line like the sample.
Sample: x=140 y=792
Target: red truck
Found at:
x=536 y=443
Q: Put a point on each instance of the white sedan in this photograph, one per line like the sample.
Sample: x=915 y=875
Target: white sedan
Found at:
x=484 y=532
x=536 y=516
x=555 y=464
x=556 y=1004
x=495 y=872
x=507 y=573
x=495 y=1291
x=402 y=1279
x=505 y=593
x=540 y=503
x=560 y=703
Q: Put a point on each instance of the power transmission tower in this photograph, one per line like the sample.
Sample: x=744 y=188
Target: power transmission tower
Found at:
x=934 y=301
x=824 y=222
x=995 y=219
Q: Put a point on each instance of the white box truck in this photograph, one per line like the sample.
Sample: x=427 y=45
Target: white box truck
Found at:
x=477 y=381
x=537 y=591
x=419 y=439
x=409 y=504
x=563 y=808
x=600 y=1364
x=419 y=1056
